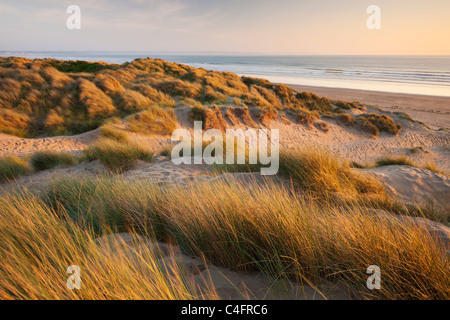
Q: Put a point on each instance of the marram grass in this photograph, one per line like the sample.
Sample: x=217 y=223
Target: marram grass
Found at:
x=302 y=230
x=248 y=228
x=39 y=243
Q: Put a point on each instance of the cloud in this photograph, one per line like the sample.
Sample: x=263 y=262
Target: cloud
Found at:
x=135 y=14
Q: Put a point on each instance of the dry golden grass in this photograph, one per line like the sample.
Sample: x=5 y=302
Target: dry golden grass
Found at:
x=225 y=82
x=96 y=102
x=38 y=88
x=433 y=167
x=39 y=244
x=48 y=159
x=244 y=115
x=11 y=167
x=210 y=95
x=14 y=123
x=9 y=92
x=237 y=101
x=270 y=97
x=347 y=105
x=286 y=94
x=322 y=226
x=267 y=116
x=345 y=119
x=213 y=119
x=307 y=117
x=24 y=76
x=210 y=118
x=178 y=87
x=155 y=95
x=154 y=121
x=255 y=98
x=33 y=96
x=249 y=81
x=56 y=78
x=113 y=131
x=191 y=103
x=118 y=156
x=196 y=113
x=108 y=84
x=394 y=160
x=306 y=232
x=269 y=228
x=54 y=122
x=381 y=122
x=132 y=101
x=368 y=127
x=324 y=175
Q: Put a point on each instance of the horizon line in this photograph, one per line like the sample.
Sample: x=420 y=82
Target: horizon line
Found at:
x=246 y=53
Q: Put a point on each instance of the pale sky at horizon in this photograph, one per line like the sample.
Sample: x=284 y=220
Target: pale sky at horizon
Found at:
x=255 y=26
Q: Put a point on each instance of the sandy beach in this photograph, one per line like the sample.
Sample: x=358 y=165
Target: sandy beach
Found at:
x=434 y=111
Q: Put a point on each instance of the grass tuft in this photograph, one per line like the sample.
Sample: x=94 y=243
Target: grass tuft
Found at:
x=154 y=121
x=319 y=172
x=394 y=160
x=11 y=167
x=117 y=156
x=307 y=117
x=39 y=243
x=432 y=167
x=113 y=131
x=48 y=159
x=381 y=122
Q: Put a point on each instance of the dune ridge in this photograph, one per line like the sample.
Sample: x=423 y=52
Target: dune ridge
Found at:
x=209 y=232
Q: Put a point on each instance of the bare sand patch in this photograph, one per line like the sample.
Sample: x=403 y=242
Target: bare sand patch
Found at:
x=21 y=146
x=414 y=185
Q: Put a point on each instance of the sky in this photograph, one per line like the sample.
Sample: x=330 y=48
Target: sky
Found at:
x=323 y=27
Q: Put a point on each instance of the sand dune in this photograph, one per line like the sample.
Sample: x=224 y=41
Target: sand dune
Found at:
x=347 y=142
x=406 y=183
x=415 y=185
x=432 y=110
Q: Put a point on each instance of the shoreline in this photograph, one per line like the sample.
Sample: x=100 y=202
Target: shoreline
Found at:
x=434 y=111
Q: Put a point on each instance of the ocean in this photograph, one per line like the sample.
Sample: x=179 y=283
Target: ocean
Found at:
x=428 y=75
